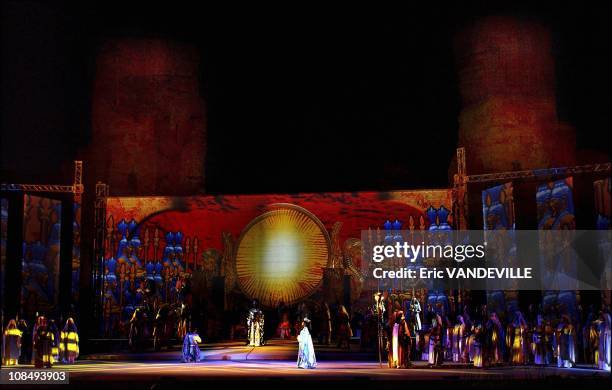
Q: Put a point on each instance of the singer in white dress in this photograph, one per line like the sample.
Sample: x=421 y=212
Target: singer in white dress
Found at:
x=306 y=354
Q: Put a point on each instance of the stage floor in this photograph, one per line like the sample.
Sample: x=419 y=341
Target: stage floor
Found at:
x=233 y=363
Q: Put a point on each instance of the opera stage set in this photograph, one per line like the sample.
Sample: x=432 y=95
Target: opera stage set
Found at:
x=215 y=223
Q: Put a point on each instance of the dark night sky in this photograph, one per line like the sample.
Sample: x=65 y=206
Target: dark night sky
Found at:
x=298 y=99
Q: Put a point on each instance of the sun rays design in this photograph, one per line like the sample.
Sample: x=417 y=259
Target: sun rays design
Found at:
x=280 y=255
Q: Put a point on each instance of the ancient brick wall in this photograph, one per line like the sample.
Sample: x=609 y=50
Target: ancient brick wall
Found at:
x=509 y=118
x=148 y=118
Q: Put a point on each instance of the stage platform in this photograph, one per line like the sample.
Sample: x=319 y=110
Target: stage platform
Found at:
x=165 y=375
x=232 y=363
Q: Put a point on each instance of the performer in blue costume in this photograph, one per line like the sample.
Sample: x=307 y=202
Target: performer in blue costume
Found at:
x=306 y=355
x=191 y=349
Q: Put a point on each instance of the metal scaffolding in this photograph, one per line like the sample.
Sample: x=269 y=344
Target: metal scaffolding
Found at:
x=76 y=188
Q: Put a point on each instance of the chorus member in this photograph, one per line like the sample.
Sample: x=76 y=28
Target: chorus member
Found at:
x=471 y=345
x=415 y=311
x=604 y=355
x=55 y=349
x=590 y=338
x=11 y=344
x=344 y=328
x=459 y=341
x=436 y=349
x=539 y=346
x=592 y=342
x=519 y=340
x=476 y=346
x=424 y=345
x=495 y=340
x=549 y=338
x=43 y=344
x=69 y=342
x=284 y=326
x=565 y=343
x=191 y=348
x=400 y=343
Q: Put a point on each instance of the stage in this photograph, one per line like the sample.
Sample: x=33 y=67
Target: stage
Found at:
x=232 y=362
x=123 y=374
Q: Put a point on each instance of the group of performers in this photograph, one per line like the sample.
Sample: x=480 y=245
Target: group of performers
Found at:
x=156 y=320
x=487 y=341
x=255 y=333
x=405 y=334
x=255 y=330
x=482 y=339
x=41 y=345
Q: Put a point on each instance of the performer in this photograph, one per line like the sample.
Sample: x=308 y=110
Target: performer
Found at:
x=476 y=344
x=12 y=344
x=459 y=341
x=344 y=328
x=399 y=352
x=325 y=325
x=191 y=349
x=184 y=318
x=478 y=347
x=379 y=311
x=519 y=342
x=55 y=349
x=591 y=335
x=494 y=340
x=43 y=344
x=447 y=337
x=137 y=329
x=565 y=338
x=549 y=336
x=539 y=346
x=255 y=326
x=415 y=310
x=424 y=345
x=590 y=339
x=436 y=352
x=306 y=354
x=69 y=342
x=284 y=326
x=604 y=355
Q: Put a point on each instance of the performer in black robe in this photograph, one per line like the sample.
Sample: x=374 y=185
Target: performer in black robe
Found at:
x=344 y=328
x=400 y=343
x=43 y=345
x=436 y=349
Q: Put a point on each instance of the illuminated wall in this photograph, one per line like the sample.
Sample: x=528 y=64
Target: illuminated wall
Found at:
x=158 y=239
x=555 y=205
x=148 y=117
x=41 y=255
x=509 y=119
x=498 y=214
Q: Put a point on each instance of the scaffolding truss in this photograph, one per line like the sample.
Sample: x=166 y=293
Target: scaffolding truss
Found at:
x=76 y=188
